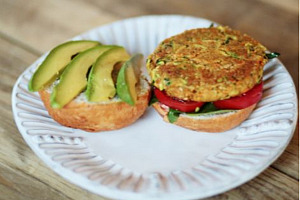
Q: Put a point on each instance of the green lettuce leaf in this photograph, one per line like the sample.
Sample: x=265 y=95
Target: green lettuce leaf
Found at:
x=206 y=109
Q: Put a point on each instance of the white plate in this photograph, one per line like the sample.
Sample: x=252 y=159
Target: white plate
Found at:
x=152 y=159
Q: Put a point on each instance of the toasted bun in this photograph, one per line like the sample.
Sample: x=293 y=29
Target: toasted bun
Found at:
x=210 y=123
x=98 y=116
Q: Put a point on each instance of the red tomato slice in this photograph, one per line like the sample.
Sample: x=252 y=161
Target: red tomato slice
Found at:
x=184 y=106
x=243 y=101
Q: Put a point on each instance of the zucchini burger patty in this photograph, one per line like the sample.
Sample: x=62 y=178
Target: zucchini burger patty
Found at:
x=207 y=79
x=207 y=64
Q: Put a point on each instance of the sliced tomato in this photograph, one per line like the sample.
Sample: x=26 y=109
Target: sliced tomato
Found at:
x=243 y=101
x=184 y=106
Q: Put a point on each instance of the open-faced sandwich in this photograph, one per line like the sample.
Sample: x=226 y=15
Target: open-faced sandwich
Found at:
x=90 y=86
x=207 y=79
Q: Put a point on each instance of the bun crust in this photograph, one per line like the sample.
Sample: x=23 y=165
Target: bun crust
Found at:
x=94 y=117
x=216 y=123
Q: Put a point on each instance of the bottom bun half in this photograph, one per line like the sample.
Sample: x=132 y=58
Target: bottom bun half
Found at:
x=209 y=123
x=94 y=117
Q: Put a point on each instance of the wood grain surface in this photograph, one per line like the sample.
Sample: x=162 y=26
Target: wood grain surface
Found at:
x=29 y=28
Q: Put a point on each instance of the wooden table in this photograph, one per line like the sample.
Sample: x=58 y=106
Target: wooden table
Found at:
x=29 y=28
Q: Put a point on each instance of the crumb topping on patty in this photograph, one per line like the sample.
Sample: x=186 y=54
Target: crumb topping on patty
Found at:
x=207 y=64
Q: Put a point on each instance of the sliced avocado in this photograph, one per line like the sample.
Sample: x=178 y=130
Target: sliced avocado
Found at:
x=128 y=78
x=100 y=83
x=56 y=61
x=73 y=80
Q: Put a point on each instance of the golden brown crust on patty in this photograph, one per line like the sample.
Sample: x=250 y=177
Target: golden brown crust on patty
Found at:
x=216 y=123
x=95 y=116
x=207 y=64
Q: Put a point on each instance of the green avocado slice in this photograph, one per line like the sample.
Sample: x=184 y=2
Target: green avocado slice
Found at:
x=73 y=80
x=56 y=61
x=128 y=78
x=100 y=83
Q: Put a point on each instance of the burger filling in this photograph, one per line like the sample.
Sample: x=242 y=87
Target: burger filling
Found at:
x=207 y=70
x=177 y=106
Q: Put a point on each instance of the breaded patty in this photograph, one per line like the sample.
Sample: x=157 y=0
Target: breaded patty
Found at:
x=207 y=64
